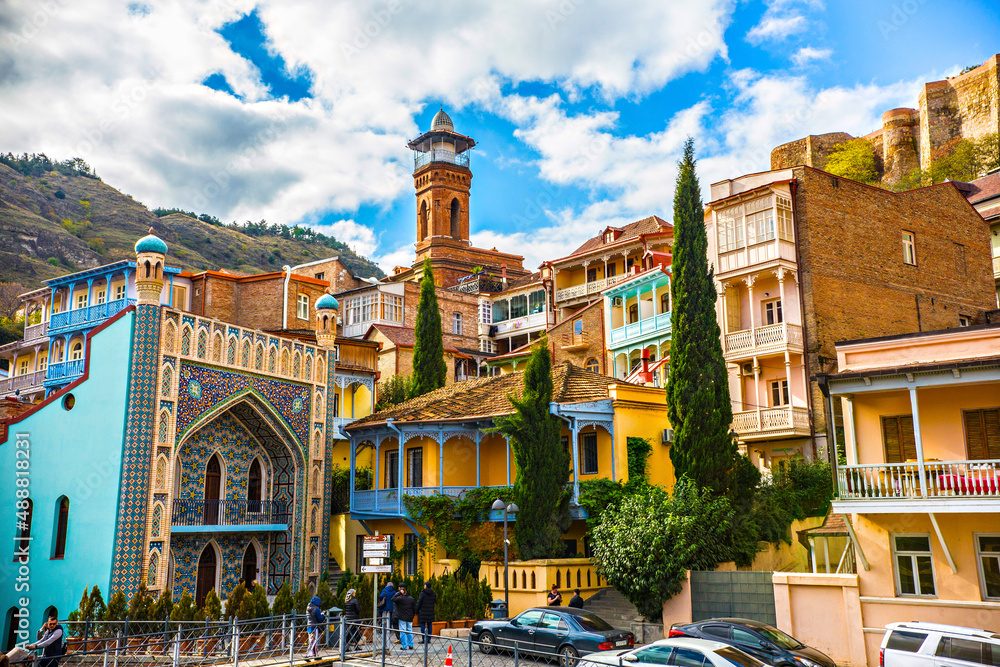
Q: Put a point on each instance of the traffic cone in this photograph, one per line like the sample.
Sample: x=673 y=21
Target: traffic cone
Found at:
x=447 y=660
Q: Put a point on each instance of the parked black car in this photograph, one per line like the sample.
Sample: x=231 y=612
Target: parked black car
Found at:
x=765 y=642
x=567 y=632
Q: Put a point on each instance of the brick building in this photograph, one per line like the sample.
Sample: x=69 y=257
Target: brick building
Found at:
x=984 y=194
x=803 y=260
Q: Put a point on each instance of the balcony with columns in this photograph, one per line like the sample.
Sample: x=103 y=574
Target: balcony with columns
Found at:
x=584 y=279
x=638 y=322
x=760 y=315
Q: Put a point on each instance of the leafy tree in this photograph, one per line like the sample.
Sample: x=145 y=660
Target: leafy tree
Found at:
x=235 y=600
x=211 y=608
x=429 y=368
x=326 y=595
x=283 y=601
x=254 y=605
x=698 y=403
x=97 y=607
x=185 y=610
x=140 y=604
x=854 y=159
x=644 y=545
x=960 y=164
x=162 y=607
x=301 y=599
x=542 y=463
x=637 y=451
x=392 y=391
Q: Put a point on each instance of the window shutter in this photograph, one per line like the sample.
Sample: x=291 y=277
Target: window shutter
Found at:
x=982 y=433
x=907 y=441
x=898 y=439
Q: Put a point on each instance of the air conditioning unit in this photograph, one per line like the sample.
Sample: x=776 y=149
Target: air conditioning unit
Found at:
x=747 y=368
x=668 y=436
x=617 y=301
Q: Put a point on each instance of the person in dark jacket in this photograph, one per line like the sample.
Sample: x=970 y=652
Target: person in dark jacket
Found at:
x=50 y=640
x=385 y=607
x=576 y=601
x=404 y=606
x=555 y=597
x=316 y=619
x=352 y=614
x=425 y=611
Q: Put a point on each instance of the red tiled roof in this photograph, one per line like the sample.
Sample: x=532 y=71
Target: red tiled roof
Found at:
x=632 y=230
x=833 y=524
x=981 y=189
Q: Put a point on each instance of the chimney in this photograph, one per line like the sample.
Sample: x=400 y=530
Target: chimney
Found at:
x=503 y=274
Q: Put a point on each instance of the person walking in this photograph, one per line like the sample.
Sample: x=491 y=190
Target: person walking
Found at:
x=576 y=601
x=316 y=618
x=404 y=607
x=352 y=614
x=425 y=611
x=555 y=597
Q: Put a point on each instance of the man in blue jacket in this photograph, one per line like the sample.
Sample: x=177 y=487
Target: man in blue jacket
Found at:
x=386 y=608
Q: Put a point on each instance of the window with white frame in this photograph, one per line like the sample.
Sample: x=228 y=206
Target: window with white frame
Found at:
x=759 y=221
x=22 y=366
x=120 y=292
x=914 y=564
x=536 y=302
x=81 y=300
x=456 y=323
x=302 y=311
x=909 y=248
x=485 y=311
x=772 y=311
x=964 y=321
x=988 y=555
x=779 y=393
x=102 y=296
x=392 y=308
x=730 y=228
x=783 y=206
x=588 y=453
x=76 y=351
x=486 y=345
x=43 y=362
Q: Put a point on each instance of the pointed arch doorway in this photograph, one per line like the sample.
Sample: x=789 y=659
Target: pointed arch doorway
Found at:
x=208 y=573
x=213 y=490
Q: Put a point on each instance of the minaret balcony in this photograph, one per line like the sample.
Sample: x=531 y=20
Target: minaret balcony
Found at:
x=228 y=515
x=424 y=158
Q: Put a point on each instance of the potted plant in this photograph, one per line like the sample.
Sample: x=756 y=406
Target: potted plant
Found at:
x=111 y=626
x=138 y=617
x=209 y=614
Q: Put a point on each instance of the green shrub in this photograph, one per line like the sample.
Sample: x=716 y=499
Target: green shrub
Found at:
x=184 y=610
x=211 y=608
x=283 y=601
x=854 y=159
x=140 y=604
x=162 y=607
x=235 y=600
x=301 y=599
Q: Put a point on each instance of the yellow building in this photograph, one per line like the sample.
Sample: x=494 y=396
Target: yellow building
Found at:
x=918 y=485
x=448 y=447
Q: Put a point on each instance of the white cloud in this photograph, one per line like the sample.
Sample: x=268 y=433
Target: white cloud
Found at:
x=360 y=238
x=808 y=54
x=776 y=28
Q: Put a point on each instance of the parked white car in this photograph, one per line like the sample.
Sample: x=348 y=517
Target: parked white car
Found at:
x=680 y=652
x=935 y=645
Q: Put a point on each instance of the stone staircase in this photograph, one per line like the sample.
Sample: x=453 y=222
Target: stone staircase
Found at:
x=333 y=573
x=614 y=608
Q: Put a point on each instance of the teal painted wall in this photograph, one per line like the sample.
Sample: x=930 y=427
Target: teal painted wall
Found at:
x=76 y=453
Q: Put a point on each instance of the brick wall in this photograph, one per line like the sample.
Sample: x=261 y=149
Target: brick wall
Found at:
x=575 y=349
x=854 y=281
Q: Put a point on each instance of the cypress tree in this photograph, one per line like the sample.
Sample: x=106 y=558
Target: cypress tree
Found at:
x=542 y=463
x=429 y=369
x=698 y=403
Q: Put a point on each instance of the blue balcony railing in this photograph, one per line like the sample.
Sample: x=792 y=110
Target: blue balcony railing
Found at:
x=644 y=327
x=229 y=513
x=385 y=502
x=64 y=371
x=80 y=318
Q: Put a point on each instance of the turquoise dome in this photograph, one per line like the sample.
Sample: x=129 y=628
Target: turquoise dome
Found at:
x=327 y=302
x=151 y=243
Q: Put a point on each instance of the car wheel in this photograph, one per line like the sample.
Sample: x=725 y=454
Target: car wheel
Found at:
x=568 y=656
x=486 y=642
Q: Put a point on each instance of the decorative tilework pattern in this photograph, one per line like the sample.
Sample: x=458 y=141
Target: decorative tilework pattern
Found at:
x=186 y=549
x=127 y=564
x=201 y=388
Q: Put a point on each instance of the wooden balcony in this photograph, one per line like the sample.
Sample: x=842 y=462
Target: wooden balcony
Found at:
x=768 y=339
x=22 y=383
x=769 y=423
x=35 y=331
x=573 y=342
x=587 y=289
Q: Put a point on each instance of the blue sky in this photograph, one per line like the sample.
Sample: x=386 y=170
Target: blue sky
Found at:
x=299 y=111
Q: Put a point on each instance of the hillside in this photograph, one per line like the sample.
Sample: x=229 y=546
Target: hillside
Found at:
x=54 y=224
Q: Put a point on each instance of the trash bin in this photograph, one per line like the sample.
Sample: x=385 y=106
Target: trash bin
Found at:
x=499 y=609
x=334 y=616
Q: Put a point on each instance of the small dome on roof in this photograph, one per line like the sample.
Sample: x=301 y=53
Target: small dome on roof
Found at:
x=327 y=302
x=442 y=121
x=151 y=243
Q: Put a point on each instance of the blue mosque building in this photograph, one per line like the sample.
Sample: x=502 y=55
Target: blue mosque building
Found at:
x=174 y=449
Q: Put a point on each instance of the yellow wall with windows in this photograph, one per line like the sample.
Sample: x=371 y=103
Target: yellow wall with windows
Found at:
x=642 y=412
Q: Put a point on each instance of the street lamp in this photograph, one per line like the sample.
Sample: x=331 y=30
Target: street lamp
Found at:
x=508 y=509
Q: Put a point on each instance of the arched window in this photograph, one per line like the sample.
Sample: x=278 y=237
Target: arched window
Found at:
x=284 y=361
x=272 y=355
x=166 y=380
x=455 y=216
x=309 y=367
x=160 y=476
x=202 y=344
x=313 y=558
x=62 y=523
x=249 y=570
x=296 y=363
x=422 y=231
x=147 y=268
x=156 y=523
x=154 y=568
x=208 y=573
x=213 y=490
x=163 y=429
x=255 y=486
x=217 y=345
x=186 y=335
x=313 y=519
x=76 y=350
x=320 y=370
x=258 y=356
x=231 y=351
x=245 y=355
x=25 y=511
x=592 y=365
x=169 y=335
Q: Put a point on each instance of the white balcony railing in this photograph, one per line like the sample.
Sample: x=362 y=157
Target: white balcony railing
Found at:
x=996 y=267
x=593 y=287
x=772 y=421
x=762 y=340
x=644 y=327
x=22 y=383
x=35 y=331
x=935 y=479
x=521 y=324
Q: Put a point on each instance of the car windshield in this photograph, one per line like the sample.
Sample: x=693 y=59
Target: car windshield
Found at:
x=738 y=657
x=593 y=623
x=777 y=637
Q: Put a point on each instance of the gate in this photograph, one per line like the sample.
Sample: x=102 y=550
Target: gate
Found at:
x=732 y=594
